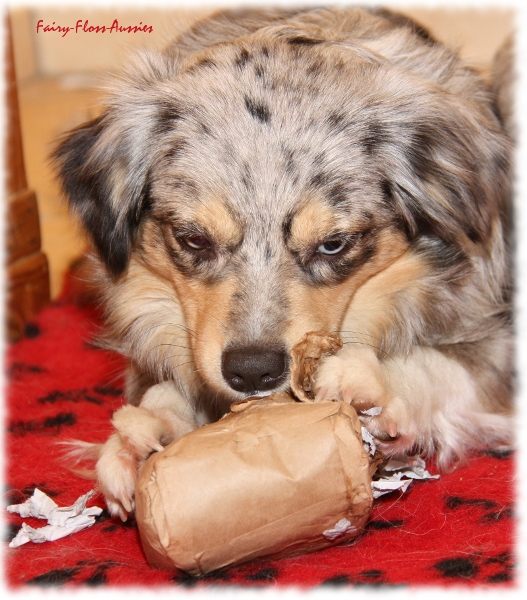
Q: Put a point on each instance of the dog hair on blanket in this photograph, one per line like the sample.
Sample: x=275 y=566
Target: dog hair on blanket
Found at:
x=276 y=172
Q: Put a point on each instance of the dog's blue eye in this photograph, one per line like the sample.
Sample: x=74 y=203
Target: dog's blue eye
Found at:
x=331 y=247
x=197 y=242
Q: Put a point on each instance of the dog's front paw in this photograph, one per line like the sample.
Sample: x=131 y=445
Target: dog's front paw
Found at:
x=138 y=434
x=356 y=376
x=353 y=375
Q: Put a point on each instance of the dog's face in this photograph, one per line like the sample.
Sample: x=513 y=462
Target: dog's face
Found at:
x=269 y=207
x=265 y=183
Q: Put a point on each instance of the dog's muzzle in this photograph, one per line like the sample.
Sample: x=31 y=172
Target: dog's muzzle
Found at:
x=252 y=370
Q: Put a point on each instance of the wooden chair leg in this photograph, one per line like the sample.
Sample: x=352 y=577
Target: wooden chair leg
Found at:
x=27 y=273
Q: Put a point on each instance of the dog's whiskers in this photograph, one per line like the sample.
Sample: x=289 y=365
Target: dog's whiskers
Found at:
x=171 y=345
x=354 y=337
x=186 y=329
x=358 y=333
x=213 y=316
x=383 y=353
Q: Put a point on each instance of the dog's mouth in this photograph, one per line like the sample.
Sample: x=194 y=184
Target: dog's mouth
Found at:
x=260 y=394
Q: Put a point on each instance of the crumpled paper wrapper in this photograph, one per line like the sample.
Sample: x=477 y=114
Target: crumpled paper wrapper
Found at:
x=273 y=478
x=305 y=358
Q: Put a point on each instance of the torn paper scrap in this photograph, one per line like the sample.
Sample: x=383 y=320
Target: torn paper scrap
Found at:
x=39 y=506
x=368 y=441
x=62 y=521
x=385 y=486
x=397 y=474
x=342 y=527
x=375 y=411
x=49 y=533
x=64 y=517
x=305 y=358
x=413 y=467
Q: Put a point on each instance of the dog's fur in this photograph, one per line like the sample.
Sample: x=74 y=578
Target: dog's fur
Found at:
x=277 y=172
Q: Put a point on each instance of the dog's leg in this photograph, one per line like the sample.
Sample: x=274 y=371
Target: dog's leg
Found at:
x=429 y=402
x=163 y=416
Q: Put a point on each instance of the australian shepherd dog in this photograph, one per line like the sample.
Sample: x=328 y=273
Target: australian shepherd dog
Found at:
x=276 y=172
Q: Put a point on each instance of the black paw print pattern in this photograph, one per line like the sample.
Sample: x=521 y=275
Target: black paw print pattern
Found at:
x=457 y=530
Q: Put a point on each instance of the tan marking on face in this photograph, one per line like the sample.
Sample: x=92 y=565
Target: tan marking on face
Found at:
x=153 y=254
x=210 y=214
x=325 y=307
x=205 y=307
x=214 y=216
x=370 y=311
x=311 y=223
x=143 y=312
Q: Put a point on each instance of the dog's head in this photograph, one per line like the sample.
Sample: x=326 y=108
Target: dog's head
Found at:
x=266 y=180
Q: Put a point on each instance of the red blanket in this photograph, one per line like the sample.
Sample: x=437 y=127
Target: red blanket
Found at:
x=458 y=529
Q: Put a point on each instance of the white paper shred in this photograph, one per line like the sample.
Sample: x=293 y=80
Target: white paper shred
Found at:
x=62 y=521
x=367 y=438
x=368 y=442
x=398 y=473
x=375 y=411
x=343 y=526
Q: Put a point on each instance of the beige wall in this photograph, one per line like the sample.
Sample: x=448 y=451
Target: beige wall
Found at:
x=478 y=31
x=23 y=41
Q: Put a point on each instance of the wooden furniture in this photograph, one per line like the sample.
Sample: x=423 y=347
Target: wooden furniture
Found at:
x=27 y=275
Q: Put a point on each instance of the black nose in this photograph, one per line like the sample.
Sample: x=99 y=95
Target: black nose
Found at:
x=253 y=369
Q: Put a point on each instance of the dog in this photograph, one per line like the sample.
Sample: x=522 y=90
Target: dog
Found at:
x=276 y=172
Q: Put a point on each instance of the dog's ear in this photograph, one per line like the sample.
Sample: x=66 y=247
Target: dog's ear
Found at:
x=447 y=172
x=105 y=179
x=104 y=166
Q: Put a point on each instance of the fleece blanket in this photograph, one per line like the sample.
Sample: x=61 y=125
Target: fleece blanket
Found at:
x=455 y=530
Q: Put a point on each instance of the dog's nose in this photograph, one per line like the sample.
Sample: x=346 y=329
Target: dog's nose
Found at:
x=253 y=370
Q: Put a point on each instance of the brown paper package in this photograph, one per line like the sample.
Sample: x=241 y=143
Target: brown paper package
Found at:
x=273 y=478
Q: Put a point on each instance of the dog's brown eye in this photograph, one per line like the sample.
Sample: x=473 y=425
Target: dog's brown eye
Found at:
x=197 y=242
x=332 y=247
